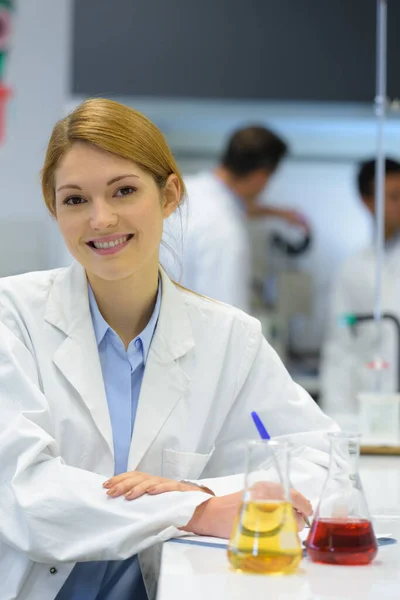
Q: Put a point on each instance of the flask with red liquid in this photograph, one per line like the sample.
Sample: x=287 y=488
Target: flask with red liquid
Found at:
x=342 y=532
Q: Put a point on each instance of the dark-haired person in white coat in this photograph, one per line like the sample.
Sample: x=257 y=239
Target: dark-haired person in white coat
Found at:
x=211 y=241
x=347 y=353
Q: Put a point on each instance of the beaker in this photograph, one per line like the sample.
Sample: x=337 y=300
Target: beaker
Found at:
x=379 y=416
x=264 y=538
x=342 y=532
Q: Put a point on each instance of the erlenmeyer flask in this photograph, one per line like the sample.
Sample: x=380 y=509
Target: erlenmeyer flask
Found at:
x=264 y=537
x=342 y=532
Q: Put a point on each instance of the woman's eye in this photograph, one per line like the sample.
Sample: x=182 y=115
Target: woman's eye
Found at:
x=125 y=191
x=73 y=201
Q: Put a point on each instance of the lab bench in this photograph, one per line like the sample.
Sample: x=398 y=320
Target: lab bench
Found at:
x=202 y=573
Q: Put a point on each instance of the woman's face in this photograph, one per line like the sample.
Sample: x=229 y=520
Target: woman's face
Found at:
x=110 y=211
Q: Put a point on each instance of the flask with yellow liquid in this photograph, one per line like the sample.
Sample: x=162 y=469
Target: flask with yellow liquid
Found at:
x=264 y=538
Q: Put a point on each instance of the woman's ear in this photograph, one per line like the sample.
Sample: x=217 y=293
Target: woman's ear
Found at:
x=171 y=195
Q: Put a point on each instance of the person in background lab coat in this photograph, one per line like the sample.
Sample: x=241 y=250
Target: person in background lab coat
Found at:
x=215 y=252
x=117 y=385
x=345 y=355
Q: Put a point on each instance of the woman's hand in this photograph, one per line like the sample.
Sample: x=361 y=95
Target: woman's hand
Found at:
x=216 y=516
x=302 y=508
x=269 y=490
x=134 y=484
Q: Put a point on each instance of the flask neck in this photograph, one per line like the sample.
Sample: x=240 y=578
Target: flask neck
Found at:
x=283 y=460
x=344 y=456
x=269 y=462
x=343 y=496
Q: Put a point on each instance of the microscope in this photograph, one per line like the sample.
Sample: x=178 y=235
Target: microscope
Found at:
x=285 y=290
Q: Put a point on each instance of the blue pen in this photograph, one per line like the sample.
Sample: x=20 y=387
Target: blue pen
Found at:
x=264 y=435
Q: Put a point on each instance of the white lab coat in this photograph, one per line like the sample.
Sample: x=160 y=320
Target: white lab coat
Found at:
x=207 y=368
x=343 y=366
x=211 y=242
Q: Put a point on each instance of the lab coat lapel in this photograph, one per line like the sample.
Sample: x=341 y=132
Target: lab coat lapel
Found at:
x=77 y=356
x=164 y=382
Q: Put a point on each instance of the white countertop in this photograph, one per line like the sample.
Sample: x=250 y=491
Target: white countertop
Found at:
x=200 y=573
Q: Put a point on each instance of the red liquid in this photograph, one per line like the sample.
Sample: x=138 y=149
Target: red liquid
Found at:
x=342 y=542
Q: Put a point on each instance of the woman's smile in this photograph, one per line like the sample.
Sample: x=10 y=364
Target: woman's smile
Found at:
x=110 y=244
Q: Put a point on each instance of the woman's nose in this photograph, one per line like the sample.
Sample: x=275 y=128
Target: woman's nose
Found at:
x=102 y=216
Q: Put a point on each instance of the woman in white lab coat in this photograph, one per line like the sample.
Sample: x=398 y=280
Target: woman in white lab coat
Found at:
x=69 y=341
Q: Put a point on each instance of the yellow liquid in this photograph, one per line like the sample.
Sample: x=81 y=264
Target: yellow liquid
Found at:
x=265 y=539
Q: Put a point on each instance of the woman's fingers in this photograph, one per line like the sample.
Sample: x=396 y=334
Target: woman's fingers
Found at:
x=128 y=483
x=135 y=484
x=165 y=486
x=302 y=507
x=169 y=485
x=301 y=504
x=122 y=477
x=142 y=488
x=158 y=485
x=299 y=520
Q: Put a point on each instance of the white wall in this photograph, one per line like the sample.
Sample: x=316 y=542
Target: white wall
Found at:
x=37 y=71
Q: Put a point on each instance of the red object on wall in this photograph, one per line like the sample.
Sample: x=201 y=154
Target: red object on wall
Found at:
x=5 y=93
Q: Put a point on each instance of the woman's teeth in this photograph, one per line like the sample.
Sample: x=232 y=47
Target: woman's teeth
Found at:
x=103 y=245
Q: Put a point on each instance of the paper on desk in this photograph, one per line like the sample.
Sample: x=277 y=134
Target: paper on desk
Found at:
x=222 y=543
x=204 y=540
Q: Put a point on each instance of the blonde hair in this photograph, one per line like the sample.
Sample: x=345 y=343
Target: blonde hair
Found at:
x=115 y=128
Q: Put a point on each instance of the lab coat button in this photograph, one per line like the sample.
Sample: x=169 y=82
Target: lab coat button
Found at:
x=53 y=570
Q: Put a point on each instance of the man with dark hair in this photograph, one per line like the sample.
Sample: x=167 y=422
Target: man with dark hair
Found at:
x=366 y=189
x=251 y=149
x=343 y=367
x=216 y=246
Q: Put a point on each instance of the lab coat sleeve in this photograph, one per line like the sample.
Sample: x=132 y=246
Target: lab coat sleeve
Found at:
x=288 y=413
x=54 y=512
x=339 y=361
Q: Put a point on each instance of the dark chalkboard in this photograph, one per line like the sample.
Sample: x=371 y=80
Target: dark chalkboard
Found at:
x=262 y=49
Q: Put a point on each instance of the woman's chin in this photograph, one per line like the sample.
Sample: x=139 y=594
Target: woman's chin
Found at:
x=110 y=273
